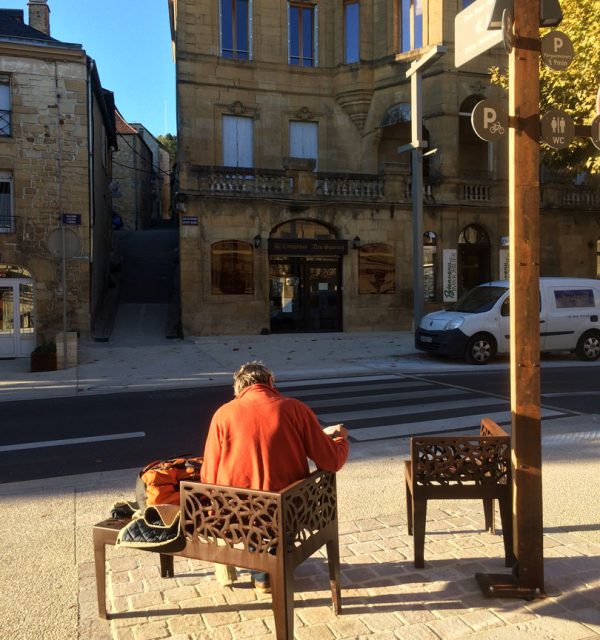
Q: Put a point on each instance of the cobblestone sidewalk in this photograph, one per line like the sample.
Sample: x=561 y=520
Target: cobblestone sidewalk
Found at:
x=383 y=596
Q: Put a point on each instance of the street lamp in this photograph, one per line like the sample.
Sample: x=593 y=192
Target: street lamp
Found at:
x=416 y=147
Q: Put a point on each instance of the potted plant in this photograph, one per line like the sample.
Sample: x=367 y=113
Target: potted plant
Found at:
x=43 y=357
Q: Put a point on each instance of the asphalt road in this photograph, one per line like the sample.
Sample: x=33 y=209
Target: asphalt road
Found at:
x=64 y=436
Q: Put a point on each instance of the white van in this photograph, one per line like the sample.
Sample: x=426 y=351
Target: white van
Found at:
x=477 y=327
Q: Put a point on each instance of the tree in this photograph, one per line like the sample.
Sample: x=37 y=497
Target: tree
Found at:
x=169 y=142
x=573 y=90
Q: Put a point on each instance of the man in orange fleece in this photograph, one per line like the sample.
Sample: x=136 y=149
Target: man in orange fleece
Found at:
x=262 y=440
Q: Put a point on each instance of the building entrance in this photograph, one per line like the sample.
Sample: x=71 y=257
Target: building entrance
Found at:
x=305 y=294
x=474 y=257
x=17 y=332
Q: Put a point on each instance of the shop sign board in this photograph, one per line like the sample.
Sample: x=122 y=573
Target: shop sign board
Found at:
x=504 y=264
x=189 y=220
x=70 y=218
x=296 y=247
x=471 y=34
x=450 y=275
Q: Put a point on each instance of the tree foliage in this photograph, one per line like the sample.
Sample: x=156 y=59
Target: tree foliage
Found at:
x=573 y=90
x=169 y=142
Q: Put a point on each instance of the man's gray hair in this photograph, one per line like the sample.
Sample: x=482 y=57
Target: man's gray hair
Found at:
x=254 y=372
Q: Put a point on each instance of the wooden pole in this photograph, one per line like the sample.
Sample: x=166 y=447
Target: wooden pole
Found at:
x=524 y=230
x=527 y=579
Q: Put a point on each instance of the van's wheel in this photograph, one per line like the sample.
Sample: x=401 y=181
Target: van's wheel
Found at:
x=481 y=348
x=588 y=346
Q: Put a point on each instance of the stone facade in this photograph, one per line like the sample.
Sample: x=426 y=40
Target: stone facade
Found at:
x=58 y=163
x=359 y=186
x=133 y=192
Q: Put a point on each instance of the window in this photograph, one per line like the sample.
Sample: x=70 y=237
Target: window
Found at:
x=351 y=31
x=570 y=298
x=232 y=267
x=475 y=157
x=302 y=32
x=6 y=203
x=409 y=16
x=5 y=104
x=236 y=29
x=238 y=141
x=376 y=269
x=303 y=140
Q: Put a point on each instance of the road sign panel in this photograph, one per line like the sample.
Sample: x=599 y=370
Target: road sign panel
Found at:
x=489 y=120
x=595 y=132
x=557 y=128
x=557 y=50
x=471 y=35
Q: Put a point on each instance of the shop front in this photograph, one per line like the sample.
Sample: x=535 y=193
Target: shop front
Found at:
x=305 y=291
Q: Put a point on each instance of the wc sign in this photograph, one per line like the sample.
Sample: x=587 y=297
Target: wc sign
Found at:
x=489 y=120
x=557 y=129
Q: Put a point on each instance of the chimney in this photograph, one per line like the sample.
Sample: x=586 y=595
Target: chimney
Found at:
x=39 y=16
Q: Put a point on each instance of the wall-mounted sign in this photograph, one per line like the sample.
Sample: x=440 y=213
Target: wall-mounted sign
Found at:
x=489 y=120
x=558 y=129
x=504 y=264
x=70 y=218
x=557 y=50
x=189 y=220
x=450 y=275
x=296 y=247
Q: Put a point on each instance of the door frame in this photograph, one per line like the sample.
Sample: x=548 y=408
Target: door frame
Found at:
x=22 y=346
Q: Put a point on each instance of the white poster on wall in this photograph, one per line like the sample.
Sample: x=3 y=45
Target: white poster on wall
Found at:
x=504 y=265
x=450 y=288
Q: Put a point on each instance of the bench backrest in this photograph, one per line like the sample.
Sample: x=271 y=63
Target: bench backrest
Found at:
x=474 y=460
x=230 y=522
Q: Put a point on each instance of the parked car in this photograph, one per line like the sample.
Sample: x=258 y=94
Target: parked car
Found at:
x=477 y=327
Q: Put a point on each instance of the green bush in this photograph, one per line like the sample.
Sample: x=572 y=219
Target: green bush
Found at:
x=48 y=346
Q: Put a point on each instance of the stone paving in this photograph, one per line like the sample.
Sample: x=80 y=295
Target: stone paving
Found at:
x=383 y=596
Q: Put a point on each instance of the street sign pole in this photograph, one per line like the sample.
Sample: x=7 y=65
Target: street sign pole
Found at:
x=527 y=579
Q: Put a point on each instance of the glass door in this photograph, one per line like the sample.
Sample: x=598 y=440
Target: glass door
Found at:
x=8 y=341
x=17 y=330
x=324 y=297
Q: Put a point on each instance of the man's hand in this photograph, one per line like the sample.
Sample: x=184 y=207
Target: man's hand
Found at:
x=336 y=431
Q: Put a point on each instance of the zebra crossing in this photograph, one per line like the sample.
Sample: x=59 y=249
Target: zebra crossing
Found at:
x=391 y=406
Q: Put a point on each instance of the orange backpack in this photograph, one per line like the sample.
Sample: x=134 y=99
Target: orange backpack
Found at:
x=158 y=482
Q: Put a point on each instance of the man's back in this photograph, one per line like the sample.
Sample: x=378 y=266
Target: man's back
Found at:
x=261 y=440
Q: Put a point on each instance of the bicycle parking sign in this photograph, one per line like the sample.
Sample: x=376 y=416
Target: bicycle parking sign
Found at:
x=489 y=120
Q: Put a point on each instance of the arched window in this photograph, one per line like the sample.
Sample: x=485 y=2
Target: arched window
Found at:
x=473 y=153
x=474 y=234
x=232 y=269
x=429 y=264
x=303 y=230
x=376 y=269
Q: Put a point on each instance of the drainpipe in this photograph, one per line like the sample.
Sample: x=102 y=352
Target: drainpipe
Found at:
x=91 y=192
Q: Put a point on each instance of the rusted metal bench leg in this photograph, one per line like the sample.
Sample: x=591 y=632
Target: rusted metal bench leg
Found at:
x=100 y=566
x=489 y=514
x=419 y=509
x=409 y=511
x=506 y=517
x=282 y=587
x=166 y=566
x=333 y=560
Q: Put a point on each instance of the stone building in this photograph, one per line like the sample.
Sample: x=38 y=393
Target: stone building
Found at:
x=295 y=206
x=56 y=134
x=133 y=177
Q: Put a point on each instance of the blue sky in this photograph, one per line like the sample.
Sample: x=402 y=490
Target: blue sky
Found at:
x=131 y=43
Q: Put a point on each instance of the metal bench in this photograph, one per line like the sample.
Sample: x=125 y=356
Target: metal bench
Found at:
x=462 y=467
x=265 y=531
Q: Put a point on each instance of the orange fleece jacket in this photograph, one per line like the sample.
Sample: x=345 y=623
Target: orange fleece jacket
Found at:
x=262 y=439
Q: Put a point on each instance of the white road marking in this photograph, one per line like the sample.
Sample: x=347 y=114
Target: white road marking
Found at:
x=433 y=426
x=331 y=381
x=348 y=416
x=399 y=386
x=70 y=441
x=387 y=397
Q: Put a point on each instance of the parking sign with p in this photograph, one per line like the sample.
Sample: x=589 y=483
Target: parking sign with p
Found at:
x=489 y=120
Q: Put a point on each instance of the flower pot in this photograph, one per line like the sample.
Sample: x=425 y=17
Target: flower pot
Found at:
x=43 y=362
